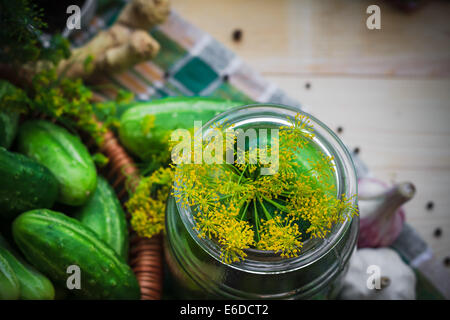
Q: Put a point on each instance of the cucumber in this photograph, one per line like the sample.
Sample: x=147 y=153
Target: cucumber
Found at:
x=52 y=242
x=9 y=121
x=24 y=185
x=33 y=284
x=9 y=285
x=64 y=155
x=104 y=215
x=146 y=140
x=9 y=117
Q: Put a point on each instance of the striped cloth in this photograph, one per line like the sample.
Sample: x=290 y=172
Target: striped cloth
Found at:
x=192 y=63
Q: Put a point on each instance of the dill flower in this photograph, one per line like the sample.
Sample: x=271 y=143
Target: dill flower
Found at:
x=235 y=236
x=281 y=236
x=239 y=208
x=147 y=204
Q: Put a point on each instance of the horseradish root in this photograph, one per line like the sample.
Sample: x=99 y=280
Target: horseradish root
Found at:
x=123 y=45
x=144 y=14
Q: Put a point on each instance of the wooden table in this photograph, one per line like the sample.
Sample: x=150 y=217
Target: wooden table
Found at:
x=388 y=89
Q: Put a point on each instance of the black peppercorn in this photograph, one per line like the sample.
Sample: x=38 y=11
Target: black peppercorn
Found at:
x=237 y=35
x=447 y=261
x=437 y=232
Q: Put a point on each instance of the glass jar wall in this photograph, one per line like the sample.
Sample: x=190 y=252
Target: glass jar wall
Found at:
x=194 y=264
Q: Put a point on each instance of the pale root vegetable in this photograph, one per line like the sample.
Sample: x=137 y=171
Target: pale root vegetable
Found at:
x=126 y=43
x=128 y=48
x=380 y=210
x=144 y=14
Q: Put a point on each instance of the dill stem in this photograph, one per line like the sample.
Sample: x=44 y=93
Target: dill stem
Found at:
x=245 y=210
x=242 y=174
x=256 y=219
x=225 y=197
x=286 y=194
x=268 y=215
x=276 y=204
x=236 y=170
x=213 y=200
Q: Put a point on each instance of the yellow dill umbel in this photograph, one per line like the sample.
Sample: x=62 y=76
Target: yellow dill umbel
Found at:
x=236 y=206
x=148 y=203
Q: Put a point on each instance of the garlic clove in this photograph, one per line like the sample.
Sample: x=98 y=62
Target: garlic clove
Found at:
x=381 y=214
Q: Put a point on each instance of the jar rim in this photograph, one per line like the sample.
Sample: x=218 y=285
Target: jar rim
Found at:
x=261 y=261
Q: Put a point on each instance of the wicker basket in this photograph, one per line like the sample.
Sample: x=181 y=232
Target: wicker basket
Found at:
x=146 y=257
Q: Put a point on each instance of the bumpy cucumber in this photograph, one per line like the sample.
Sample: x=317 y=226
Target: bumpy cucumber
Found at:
x=8 y=127
x=104 y=215
x=9 y=285
x=33 y=284
x=24 y=184
x=145 y=127
x=52 y=242
x=64 y=155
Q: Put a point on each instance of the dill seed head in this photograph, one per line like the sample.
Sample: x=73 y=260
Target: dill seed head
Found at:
x=148 y=203
x=236 y=206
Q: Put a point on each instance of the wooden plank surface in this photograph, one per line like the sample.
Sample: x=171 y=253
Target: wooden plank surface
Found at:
x=388 y=89
x=401 y=128
x=328 y=36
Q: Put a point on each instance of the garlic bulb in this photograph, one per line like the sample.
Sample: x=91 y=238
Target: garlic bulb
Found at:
x=378 y=274
x=381 y=215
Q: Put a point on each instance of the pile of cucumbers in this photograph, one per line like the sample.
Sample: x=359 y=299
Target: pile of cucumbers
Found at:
x=51 y=168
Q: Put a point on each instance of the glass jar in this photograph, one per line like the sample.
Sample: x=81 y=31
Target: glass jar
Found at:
x=194 y=265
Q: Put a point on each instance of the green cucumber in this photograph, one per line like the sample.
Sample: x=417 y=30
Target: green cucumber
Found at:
x=9 y=284
x=145 y=127
x=64 y=155
x=52 y=242
x=24 y=185
x=9 y=121
x=9 y=114
x=33 y=284
x=104 y=215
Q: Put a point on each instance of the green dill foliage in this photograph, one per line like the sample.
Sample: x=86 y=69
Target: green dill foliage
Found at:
x=67 y=100
x=100 y=159
x=21 y=25
x=70 y=101
x=236 y=206
x=13 y=99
